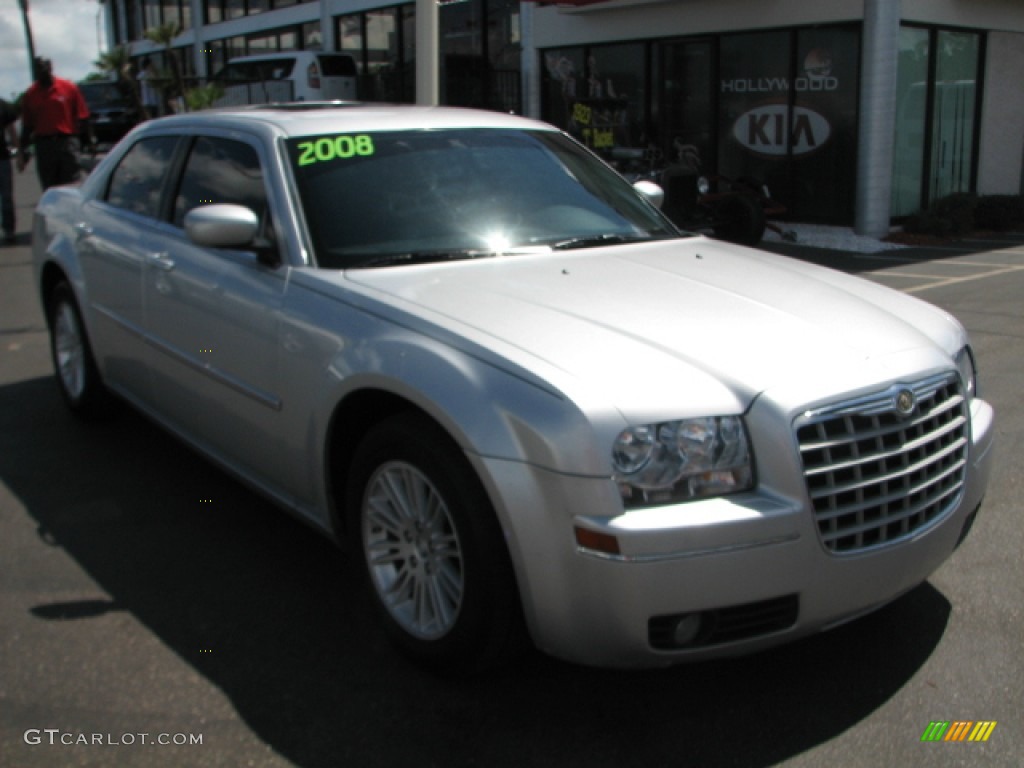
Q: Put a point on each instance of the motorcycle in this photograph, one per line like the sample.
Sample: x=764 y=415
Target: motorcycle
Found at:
x=736 y=210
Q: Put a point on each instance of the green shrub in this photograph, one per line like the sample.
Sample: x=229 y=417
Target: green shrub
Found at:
x=962 y=213
x=999 y=212
x=958 y=209
x=928 y=223
x=203 y=97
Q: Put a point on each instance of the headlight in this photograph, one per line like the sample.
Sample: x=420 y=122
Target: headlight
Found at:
x=968 y=373
x=681 y=460
x=703 y=185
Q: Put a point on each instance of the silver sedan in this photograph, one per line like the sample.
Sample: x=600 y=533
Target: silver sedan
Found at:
x=467 y=349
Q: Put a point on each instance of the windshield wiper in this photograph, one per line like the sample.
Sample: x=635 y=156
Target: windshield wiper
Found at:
x=419 y=257
x=587 y=241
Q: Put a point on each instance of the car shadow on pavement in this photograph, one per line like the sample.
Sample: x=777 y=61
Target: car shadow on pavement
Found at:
x=203 y=563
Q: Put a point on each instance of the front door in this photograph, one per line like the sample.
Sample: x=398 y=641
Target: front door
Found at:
x=212 y=319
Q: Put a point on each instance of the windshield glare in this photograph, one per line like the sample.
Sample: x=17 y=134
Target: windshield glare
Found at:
x=446 y=193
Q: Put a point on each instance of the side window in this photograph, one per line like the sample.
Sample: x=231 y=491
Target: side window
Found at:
x=221 y=171
x=136 y=183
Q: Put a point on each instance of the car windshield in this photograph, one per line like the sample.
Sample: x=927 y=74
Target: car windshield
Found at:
x=393 y=198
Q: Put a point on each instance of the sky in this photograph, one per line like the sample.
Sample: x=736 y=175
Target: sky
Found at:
x=65 y=31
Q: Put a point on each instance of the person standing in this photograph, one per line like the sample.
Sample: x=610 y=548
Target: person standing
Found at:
x=149 y=89
x=53 y=112
x=8 y=117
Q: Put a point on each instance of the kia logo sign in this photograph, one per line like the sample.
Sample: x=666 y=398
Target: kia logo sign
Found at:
x=766 y=130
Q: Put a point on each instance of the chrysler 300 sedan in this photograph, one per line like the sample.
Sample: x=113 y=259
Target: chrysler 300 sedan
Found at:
x=527 y=404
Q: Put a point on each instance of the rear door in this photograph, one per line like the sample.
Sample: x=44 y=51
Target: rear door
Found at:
x=115 y=240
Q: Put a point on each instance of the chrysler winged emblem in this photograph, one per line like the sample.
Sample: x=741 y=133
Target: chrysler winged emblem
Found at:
x=905 y=402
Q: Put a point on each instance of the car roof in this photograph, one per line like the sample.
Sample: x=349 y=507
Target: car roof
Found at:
x=319 y=118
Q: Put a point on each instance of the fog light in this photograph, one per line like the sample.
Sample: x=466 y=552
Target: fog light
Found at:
x=686 y=629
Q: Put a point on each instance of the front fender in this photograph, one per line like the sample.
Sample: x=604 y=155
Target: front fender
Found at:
x=488 y=410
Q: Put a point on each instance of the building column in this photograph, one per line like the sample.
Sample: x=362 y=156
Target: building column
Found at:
x=877 y=124
x=428 y=88
x=199 y=44
x=529 y=63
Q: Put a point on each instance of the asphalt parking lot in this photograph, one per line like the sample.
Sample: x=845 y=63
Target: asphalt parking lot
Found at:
x=148 y=602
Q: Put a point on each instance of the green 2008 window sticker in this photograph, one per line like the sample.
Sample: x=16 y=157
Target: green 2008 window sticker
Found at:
x=335 y=147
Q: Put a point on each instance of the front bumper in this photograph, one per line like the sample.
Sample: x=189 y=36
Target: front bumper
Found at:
x=759 y=551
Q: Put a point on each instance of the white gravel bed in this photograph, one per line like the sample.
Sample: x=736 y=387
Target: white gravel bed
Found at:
x=836 y=238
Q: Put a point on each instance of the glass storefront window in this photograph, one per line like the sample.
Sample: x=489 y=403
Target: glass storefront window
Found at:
x=911 y=114
x=753 y=108
x=382 y=54
x=561 y=81
x=503 y=54
x=615 y=96
x=383 y=44
x=936 y=106
x=503 y=34
x=236 y=47
x=954 y=93
x=685 y=104
x=261 y=43
x=170 y=13
x=349 y=34
x=213 y=11
x=312 y=39
x=823 y=129
x=461 y=53
x=150 y=14
x=598 y=94
x=408 y=15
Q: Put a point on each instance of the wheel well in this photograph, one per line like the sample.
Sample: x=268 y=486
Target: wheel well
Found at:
x=51 y=277
x=352 y=419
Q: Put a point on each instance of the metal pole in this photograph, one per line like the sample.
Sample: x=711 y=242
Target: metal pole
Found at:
x=28 y=39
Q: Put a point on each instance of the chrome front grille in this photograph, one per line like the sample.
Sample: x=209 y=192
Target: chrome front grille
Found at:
x=876 y=475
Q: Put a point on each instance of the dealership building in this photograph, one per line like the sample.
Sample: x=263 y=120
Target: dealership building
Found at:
x=854 y=113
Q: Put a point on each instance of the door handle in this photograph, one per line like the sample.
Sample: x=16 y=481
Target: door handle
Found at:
x=162 y=261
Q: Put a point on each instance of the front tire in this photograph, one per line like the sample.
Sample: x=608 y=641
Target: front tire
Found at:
x=430 y=548
x=77 y=375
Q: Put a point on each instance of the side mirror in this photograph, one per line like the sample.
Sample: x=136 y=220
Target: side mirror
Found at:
x=654 y=193
x=225 y=225
x=222 y=226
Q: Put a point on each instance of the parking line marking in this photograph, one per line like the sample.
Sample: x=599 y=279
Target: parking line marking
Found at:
x=942 y=282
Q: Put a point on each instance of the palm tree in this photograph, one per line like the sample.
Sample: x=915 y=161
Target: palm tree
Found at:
x=164 y=35
x=118 y=62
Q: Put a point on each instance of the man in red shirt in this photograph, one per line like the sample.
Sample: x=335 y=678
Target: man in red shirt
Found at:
x=53 y=112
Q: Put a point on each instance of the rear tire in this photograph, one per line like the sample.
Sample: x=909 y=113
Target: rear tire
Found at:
x=430 y=548
x=77 y=375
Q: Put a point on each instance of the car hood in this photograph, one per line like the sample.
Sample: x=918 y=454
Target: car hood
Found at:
x=663 y=325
